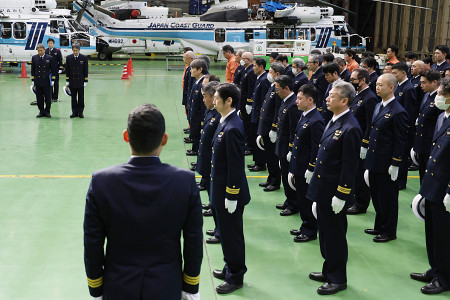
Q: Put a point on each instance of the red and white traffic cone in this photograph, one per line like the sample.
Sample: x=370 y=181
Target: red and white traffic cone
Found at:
x=125 y=72
x=24 y=71
x=129 y=69
x=131 y=63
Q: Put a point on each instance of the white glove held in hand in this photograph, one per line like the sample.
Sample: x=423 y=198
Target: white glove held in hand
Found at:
x=67 y=83
x=187 y=296
x=288 y=156
x=99 y=298
x=260 y=142
x=366 y=177
x=273 y=136
x=308 y=176
x=85 y=84
x=363 y=153
x=447 y=202
x=413 y=157
x=337 y=204
x=291 y=181
x=60 y=72
x=248 y=108
x=230 y=205
x=393 y=171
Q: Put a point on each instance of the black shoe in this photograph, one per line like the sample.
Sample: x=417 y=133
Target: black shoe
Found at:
x=190 y=152
x=281 y=206
x=40 y=115
x=188 y=140
x=383 y=238
x=401 y=187
x=371 y=231
x=354 y=210
x=250 y=166
x=193 y=168
x=186 y=130
x=434 y=287
x=54 y=100
x=73 y=116
x=331 y=288
x=48 y=115
x=257 y=169
x=213 y=240
x=295 y=232
x=271 y=188
x=206 y=207
x=210 y=232
x=413 y=168
x=207 y=213
x=226 y=288
x=304 y=238
x=194 y=164
x=80 y=116
x=287 y=212
x=424 y=277
x=318 y=276
x=202 y=188
x=33 y=103
x=264 y=184
x=248 y=152
x=219 y=274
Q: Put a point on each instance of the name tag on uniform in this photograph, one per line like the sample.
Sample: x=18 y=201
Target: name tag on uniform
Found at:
x=387 y=116
x=219 y=136
x=213 y=119
x=360 y=101
x=416 y=85
x=284 y=111
x=305 y=125
x=400 y=94
x=337 y=134
x=272 y=93
x=47 y=61
x=296 y=82
x=432 y=104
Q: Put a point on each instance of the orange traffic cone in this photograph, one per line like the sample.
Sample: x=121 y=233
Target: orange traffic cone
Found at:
x=131 y=63
x=129 y=68
x=24 y=71
x=125 y=72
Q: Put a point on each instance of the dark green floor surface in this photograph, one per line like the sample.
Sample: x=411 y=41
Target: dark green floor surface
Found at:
x=45 y=173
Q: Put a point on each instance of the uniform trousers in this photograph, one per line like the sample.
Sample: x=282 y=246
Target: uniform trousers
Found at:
x=55 y=88
x=422 y=159
x=291 y=201
x=77 y=100
x=44 y=94
x=206 y=181
x=272 y=162
x=362 y=191
x=309 y=222
x=258 y=154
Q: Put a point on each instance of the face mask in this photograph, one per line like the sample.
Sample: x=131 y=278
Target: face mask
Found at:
x=409 y=64
x=355 y=85
x=440 y=102
x=242 y=62
x=270 y=78
x=295 y=72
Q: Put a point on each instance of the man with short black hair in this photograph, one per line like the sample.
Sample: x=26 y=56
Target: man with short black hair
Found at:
x=391 y=54
x=344 y=73
x=273 y=57
x=331 y=72
x=238 y=73
x=57 y=59
x=350 y=59
x=410 y=58
x=228 y=53
x=298 y=66
x=285 y=61
x=428 y=61
x=440 y=54
x=317 y=78
x=327 y=58
x=77 y=72
x=141 y=208
x=370 y=64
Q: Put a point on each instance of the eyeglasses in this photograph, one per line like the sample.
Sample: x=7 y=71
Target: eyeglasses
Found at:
x=353 y=79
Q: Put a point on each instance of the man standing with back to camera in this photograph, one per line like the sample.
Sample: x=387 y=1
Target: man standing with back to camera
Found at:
x=141 y=208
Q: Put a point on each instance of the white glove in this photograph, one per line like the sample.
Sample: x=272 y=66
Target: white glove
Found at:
x=273 y=136
x=393 y=171
x=99 y=298
x=230 y=205
x=260 y=142
x=308 y=176
x=239 y=113
x=67 y=83
x=85 y=84
x=447 y=202
x=52 y=83
x=417 y=121
x=291 y=181
x=314 y=209
x=187 y=296
x=288 y=156
x=413 y=157
x=60 y=72
x=366 y=177
x=363 y=153
x=248 y=108
x=337 y=204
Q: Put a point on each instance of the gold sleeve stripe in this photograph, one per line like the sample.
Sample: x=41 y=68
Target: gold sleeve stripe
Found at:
x=67 y=78
x=95 y=283
x=397 y=159
x=85 y=78
x=201 y=123
x=249 y=100
x=32 y=77
x=312 y=165
x=191 y=280
x=365 y=141
x=343 y=190
x=232 y=191
x=274 y=125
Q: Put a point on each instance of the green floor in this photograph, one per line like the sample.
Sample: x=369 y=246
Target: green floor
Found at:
x=45 y=171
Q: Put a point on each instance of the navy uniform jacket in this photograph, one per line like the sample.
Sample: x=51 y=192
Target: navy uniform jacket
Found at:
x=247 y=85
x=197 y=108
x=362 y=109
x=268 y=116
x=141 y=208
x=228 y=178
x=186 y=85
x=345 y=75
x=318 y=80
x=441 y=68
x=426 y=123
x=415 y=81
x=42 y=69
x=288 y=116
x=77 y=70
x=405 y=94
x=387 y=140
x=288 y=71
x=373 y=81
x=262 y=85
x=436 y=182
x=57 y=58
x=326 y=114
x=238 y=76
x=298 y=81
x=210 y=123
x=336 y=163
x=306 y=143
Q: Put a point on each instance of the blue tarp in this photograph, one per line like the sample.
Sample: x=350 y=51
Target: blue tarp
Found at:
x=272 y=6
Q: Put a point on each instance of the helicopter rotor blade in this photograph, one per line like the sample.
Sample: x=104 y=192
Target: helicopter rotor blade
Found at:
x=80 y=14
x=403 y=4
x=104 y=10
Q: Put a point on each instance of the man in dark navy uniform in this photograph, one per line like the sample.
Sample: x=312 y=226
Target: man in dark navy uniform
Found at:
x=370 y=64
x=308 y=132
x=197 y=108
x=288 y=116
x=203 y=167
x=441 y=63
x=188 y=57
x=262 y=85
x=247 y=87
x=317 y=78
x=436 y=191
x=331 y=72
x=141 y=208
x=57 y=59
x=77 y=71
x=331 y=186
x=229 y=188
x=238 y=73
x=298 y=66
x=362 y=109
x=426 y=122
x=385 y=153
x=283 y=59
x=42 y=75
x=267 y=129
x=417 y=68
x=406 y=95
x=344 y=73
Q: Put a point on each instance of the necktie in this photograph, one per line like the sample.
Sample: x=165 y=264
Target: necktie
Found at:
x=377 y=110
x=331 y=123
x=425 y=99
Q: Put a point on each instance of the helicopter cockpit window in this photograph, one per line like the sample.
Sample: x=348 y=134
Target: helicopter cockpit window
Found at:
x=312 y=36
x=54 y=26
x=6 y=30
x=76 y=26
x=81 y=39
x=248 y=34
x=302 y=34
x=20 y=30
x=219 y=35
x=64 y=40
